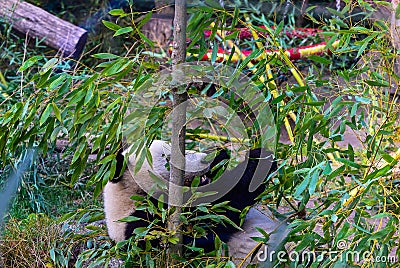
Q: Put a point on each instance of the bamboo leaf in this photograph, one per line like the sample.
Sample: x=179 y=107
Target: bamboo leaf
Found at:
x=111 y=26
x=214 y=52
x=29 y=63
x=117 y=12
x=105 y=56
x=313 y=182
x=57 y=112
x=48 y=66
x=123 y=31
x=320 y=59
x=302 y=187
x=46 y=113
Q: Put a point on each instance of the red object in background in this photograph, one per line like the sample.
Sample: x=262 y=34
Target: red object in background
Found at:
x=245 y=33
x=293 y=53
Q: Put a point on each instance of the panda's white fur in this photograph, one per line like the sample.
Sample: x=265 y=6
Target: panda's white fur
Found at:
x=118 y=205
x=117 y=201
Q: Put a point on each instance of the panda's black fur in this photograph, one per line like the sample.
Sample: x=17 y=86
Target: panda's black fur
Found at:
x=257 y=165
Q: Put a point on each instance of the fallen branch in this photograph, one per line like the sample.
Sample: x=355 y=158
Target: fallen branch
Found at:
x=59 y=34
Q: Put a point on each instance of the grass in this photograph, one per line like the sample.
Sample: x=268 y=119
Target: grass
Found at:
x=28 y=242
x=33 y=235
x=46 y=189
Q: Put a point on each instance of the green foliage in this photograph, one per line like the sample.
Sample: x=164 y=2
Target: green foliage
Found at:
x=347 y=205
x=307 y=176
x=46 y=190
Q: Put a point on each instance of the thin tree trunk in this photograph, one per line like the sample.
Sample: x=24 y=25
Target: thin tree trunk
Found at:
x=178 y=129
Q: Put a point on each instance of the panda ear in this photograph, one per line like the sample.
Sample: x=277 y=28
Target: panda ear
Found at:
x=120 y=165
x=264 y=165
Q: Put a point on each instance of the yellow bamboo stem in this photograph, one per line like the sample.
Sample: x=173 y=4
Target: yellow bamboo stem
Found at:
x=218 y=137
x=261 y=78
x=3 y=80
x=270 y=77
x=274 y=92
x=285 y=54
x=359 y=189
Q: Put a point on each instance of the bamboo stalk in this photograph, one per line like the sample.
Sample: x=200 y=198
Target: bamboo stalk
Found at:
x=261 y=78
x=275 y=93
x=270 y=77
x=360 y=189
x=217 y=137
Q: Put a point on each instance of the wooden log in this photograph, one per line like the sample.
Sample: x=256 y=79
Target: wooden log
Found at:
x=59 y=34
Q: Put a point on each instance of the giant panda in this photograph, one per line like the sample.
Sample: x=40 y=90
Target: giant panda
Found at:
x=256 y=165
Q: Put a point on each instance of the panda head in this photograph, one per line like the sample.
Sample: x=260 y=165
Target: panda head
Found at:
x=158 y=174
x=195 y=163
